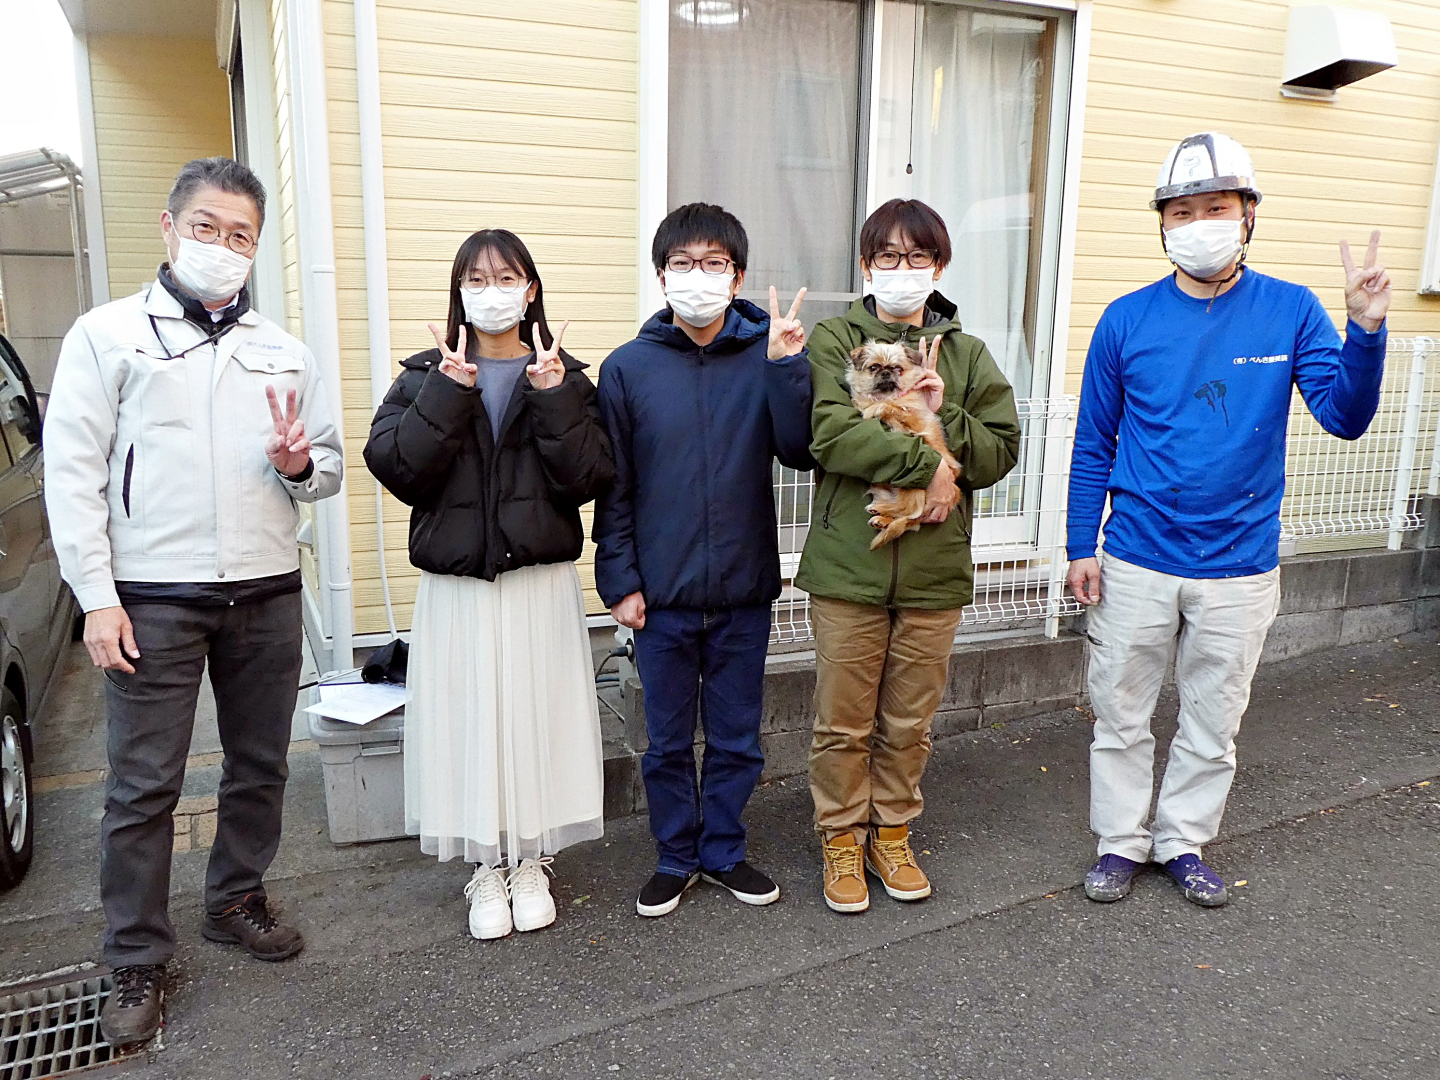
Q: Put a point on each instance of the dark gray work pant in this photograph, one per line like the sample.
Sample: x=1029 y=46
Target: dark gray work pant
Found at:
x=253 y=651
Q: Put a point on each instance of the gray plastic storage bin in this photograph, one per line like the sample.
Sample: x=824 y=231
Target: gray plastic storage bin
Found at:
x=364 y=777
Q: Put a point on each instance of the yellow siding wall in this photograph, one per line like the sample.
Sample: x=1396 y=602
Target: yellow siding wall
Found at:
x=1162 y=69
x=282 y=202
x=494 y=114
x=159 y=102
x=524 y=117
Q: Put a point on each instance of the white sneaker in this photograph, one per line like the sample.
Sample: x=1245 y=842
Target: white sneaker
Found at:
x=530 y=895
x=489 y=898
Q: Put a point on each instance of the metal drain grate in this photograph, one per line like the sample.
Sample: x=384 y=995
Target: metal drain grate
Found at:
x=53 y=1029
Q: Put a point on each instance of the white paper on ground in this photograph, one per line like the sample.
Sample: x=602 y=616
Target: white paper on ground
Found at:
x=358 y=703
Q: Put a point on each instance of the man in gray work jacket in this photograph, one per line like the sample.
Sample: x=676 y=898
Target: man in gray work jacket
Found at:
x=182 y=429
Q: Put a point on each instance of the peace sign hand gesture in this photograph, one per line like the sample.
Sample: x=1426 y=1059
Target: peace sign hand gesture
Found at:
x=287 y=448
x=1367 y=290
x=548 y=370
x=787 y=336
x=452 y=361
x=930 y=383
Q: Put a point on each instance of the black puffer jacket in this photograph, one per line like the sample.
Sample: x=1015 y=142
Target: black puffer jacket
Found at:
x=479 y=510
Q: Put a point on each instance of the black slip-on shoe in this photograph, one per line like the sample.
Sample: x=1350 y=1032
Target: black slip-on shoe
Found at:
x=250 y=924
x=745 y=883
x=661 y=894
x=132 y=1012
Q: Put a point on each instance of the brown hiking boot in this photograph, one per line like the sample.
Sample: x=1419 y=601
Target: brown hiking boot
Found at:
x=132 y=1011
x=845 y=889
x=249 y=923
x=888 y=857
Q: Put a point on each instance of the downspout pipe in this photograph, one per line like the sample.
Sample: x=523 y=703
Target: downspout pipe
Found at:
x=318 y=295
x=377 y=274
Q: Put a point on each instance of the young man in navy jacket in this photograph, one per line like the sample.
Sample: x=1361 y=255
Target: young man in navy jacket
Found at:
x=698 y=405
x=1182 y=423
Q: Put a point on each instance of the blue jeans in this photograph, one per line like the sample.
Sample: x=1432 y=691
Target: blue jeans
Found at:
x=710 y=664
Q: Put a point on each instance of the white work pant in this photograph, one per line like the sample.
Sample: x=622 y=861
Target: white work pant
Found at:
x=1221 y=625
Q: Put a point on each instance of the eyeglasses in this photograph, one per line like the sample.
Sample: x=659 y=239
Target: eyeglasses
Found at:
x=711 y=264
x=506 y=279
x=237 y=240
x=919 y=259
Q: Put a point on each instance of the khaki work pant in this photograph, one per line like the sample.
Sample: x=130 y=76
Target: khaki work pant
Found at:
x=879 y=677
x=1216 y=627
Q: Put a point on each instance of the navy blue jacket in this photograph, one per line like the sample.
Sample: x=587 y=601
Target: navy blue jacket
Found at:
x=690 y=518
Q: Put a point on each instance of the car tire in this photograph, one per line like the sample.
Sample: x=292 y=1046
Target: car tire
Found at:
x=17 y=798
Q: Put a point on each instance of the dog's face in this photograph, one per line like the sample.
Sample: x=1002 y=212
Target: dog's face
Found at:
x=877 y=371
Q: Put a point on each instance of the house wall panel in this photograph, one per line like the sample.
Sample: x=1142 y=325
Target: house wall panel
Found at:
x=1328 y=170
x=493 y=115
x=285 y=215
x=158 y=102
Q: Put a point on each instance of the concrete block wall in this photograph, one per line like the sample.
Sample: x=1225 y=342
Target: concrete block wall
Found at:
x=1346 y=597
x=994 y=680
x=1326 y=600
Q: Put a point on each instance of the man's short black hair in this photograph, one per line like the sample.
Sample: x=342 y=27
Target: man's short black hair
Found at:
x=700 y=221
x=913 y=219
x=217 y=172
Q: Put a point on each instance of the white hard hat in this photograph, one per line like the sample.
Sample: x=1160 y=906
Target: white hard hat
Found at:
x=1205 y=162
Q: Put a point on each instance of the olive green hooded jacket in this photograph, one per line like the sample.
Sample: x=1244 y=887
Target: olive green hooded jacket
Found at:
x=930 y=568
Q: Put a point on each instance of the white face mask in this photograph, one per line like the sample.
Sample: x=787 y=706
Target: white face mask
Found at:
x=210 y=271
x=901 y=292
x=696 y=297
x=1204 y=248
x=493 y=310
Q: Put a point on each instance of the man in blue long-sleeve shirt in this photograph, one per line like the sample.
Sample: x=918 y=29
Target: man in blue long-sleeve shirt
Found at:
x=1183 y=413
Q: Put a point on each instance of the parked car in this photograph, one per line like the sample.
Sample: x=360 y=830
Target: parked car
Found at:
x=37 y=610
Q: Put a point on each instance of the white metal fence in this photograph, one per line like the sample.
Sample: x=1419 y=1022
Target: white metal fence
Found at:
x=1370 y=487
x=1018 y=543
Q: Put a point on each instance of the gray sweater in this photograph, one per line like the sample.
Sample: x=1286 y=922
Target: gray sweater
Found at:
x=496 y=380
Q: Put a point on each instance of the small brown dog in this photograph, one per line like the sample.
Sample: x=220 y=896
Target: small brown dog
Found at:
x=882 y=382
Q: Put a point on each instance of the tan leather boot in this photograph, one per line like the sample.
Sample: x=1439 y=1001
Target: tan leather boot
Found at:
x=888 y=857
x=845 y=889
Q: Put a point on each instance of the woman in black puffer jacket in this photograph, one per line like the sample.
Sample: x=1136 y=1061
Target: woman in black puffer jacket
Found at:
x=494 y=439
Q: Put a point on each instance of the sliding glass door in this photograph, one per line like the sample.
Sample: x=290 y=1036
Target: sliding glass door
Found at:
x=764 y=107
x=802 y=116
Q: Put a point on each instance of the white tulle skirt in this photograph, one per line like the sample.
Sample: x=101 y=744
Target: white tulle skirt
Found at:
x=502 y=732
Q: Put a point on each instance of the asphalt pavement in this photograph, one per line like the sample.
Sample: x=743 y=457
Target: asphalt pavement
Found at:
x=1324 y=965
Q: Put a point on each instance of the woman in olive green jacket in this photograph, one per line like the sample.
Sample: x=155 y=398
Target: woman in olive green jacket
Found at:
x=885 y=620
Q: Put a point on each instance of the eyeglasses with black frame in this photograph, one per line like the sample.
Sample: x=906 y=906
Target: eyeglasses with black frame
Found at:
x=919 y=259
x=715 y=265
x=237 y=240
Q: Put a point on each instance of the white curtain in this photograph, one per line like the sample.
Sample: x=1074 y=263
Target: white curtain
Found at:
x=961 y=111
x=763 y=101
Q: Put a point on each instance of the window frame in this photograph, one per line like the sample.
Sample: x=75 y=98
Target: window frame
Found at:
x=1430 y=263
x=1033 y=530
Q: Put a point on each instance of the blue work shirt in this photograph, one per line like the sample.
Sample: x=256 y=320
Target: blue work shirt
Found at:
x=1183 y=411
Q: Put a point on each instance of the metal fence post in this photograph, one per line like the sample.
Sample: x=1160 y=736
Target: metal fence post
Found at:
x=1433 y=487
x=1055 y=593
x=1409 y=438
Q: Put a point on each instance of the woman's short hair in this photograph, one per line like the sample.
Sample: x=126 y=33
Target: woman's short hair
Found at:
x=911 y=218
x=703 y=222
x=509 y=250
